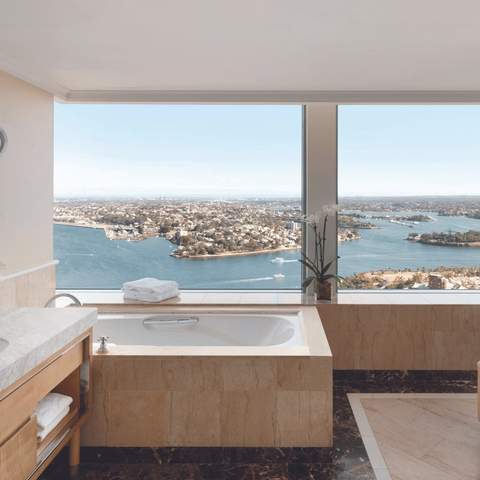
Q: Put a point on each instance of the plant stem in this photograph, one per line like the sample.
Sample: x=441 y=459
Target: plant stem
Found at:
x=324 y=239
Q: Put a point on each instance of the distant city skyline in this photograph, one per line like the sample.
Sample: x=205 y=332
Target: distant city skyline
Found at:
x=254 y=151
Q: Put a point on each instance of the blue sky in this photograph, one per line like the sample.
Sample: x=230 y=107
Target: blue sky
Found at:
x=409 y=150
x=255 y=150
x=149 y=150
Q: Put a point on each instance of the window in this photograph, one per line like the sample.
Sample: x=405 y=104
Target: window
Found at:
x=207 y=195
x=409 y=197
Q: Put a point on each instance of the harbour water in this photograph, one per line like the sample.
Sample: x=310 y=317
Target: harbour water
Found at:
x=385 y=247
x=89 y=260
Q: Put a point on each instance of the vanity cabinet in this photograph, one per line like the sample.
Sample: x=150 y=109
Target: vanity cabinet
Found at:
x=68 y=371
x=18 y=453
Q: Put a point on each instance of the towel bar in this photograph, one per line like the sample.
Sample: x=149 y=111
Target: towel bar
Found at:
x=158 y=320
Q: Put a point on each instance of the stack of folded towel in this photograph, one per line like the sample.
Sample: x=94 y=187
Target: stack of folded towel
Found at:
x=150 y=290
x=50 y=411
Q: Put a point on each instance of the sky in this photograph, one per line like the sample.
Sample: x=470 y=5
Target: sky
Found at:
x=255 y=150
x=400 y=150
x=178 y=150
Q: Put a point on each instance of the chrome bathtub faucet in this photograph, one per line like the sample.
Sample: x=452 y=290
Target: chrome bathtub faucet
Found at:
x=103 y=347
x=51 y=301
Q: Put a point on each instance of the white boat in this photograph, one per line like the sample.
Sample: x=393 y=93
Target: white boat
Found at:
x=277 y=276
x=278 y=260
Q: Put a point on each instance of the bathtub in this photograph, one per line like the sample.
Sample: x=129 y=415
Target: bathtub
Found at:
x=206 y=376
x=202 y=329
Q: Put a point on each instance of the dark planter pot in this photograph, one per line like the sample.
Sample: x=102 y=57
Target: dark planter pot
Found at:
x=323 y=291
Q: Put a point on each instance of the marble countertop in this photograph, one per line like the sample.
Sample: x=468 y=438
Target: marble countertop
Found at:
x=34 y=334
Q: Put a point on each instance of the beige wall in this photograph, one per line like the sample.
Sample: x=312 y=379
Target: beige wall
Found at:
x=26 y=176
x=31 y=289
x=403 y=337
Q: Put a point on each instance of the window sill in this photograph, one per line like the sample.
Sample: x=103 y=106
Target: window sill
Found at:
x=239 y=297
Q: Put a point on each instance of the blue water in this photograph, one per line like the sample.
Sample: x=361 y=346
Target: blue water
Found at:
x=386 y=247
x=89 y=260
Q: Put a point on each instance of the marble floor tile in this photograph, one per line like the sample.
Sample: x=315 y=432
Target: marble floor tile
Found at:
x=424 y=436
x=347 y=460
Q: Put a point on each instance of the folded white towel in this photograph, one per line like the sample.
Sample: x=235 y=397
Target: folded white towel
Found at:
x=50 y=407
x=165 y=293
x=150 y=297
x=150 y=285
x=43 y=432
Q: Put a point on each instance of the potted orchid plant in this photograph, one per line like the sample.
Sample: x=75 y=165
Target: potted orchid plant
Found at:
x=318 y=266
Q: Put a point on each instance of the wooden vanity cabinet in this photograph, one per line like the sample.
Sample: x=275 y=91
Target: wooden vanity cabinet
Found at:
x=18 y=454
x=22 y=456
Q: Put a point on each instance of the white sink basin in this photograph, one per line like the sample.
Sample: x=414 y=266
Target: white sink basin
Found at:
x=3 y=344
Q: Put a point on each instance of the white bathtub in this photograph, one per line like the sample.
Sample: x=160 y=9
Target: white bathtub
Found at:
x=202 y=329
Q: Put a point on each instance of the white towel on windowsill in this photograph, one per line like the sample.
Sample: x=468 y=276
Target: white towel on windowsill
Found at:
x=149 y=297
x=49 y=407
x=151 y=286
x=43 y=432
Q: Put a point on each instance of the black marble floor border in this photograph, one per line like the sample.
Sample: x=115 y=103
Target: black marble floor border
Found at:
x=347 y=460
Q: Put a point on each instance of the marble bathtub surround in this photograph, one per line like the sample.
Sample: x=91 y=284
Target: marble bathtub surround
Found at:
x=403 y=337
x=234 y=401
x=34 y=334
x=215 y=396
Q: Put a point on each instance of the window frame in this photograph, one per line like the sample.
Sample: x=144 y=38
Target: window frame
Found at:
x=319 y=163
x=303 y=165
x=376 y=291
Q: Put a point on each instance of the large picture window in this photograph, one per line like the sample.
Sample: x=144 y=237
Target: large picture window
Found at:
x=409 y=195
x=207 y=195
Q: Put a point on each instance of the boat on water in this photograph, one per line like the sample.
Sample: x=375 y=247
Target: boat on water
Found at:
x=278 y=276
x=278 y=260
x=398 y=222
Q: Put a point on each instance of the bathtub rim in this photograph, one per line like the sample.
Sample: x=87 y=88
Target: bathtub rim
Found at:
x=292 y=321
x=316 y=343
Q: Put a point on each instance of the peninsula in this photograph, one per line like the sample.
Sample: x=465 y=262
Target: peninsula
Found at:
x=448 y=239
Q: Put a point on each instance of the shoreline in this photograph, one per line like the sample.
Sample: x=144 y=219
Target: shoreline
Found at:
x=104 y=227
x=97 y=226
x=235 y=254
x=447 y=244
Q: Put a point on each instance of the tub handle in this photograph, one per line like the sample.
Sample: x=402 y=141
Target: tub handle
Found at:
x=170 y=321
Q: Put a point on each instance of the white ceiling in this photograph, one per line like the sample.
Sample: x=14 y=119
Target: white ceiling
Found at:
x=93 y=49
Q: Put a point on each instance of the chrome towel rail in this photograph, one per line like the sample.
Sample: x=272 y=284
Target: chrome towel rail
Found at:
x=160 y=320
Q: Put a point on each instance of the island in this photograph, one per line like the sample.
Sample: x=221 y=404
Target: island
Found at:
x=418 y=217
x=351 y=220
x=349 y=224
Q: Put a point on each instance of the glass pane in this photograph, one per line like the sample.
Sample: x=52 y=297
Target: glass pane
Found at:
x=409 y=197
x=207 y=195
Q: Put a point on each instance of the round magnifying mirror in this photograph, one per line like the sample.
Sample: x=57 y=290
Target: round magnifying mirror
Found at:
x=3 y=141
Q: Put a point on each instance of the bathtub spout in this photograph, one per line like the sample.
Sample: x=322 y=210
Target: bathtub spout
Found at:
x=103 y=347
x=75 y=300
